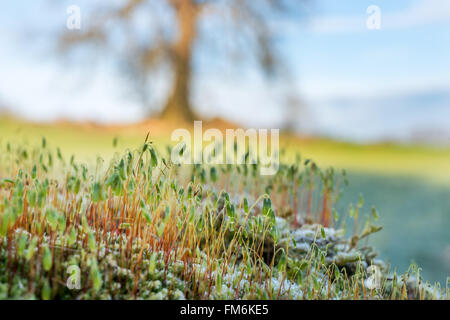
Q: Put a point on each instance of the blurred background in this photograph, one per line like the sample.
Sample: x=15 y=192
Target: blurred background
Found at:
x=365 y=86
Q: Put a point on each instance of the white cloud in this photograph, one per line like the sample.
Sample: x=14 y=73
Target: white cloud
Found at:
x=46 y=92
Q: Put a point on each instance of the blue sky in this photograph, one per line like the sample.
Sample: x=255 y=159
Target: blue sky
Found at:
x=356 y=83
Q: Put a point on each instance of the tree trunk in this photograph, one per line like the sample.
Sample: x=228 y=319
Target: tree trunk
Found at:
x=178 y=106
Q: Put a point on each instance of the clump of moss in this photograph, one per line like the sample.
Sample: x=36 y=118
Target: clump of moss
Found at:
x=144 y=228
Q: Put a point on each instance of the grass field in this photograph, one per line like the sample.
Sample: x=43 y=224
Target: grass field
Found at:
x=86 y=141
x=409 y=185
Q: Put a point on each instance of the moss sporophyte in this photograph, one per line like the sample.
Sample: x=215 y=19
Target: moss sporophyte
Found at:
x=145 y=227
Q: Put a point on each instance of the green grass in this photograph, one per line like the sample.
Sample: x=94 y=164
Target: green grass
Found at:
x=86 y=142
x=423 y=162
x=415 y=214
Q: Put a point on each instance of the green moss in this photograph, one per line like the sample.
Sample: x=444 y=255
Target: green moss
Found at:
x=143 y=228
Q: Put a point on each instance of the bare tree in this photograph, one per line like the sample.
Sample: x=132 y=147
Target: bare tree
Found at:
x=148 y=34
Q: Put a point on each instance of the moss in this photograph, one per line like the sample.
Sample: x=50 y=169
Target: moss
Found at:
x=134 y=230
